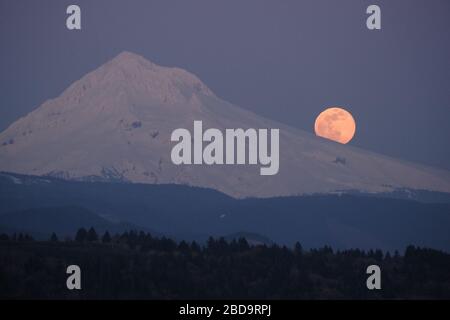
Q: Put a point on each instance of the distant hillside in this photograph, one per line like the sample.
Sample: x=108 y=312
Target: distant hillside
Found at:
x=182 y=212
x=65 y=221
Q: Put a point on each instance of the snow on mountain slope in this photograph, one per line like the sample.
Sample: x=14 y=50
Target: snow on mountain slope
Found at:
x=115 y=124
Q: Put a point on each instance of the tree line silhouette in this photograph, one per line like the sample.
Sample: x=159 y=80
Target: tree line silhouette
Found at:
x=140 y=266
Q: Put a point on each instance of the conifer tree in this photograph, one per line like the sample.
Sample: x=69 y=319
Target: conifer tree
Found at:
x=81 y=235
x=54 y=238
x=106 y=237
x=92 y=235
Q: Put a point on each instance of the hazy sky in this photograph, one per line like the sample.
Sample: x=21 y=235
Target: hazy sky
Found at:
x=287 y=60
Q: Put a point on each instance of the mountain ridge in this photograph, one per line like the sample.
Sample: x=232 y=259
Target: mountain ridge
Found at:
x=193 y=213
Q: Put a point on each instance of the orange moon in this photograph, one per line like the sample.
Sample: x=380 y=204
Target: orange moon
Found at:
x=335 y=124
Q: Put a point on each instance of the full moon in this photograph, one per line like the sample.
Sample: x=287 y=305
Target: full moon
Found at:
x=335 y=124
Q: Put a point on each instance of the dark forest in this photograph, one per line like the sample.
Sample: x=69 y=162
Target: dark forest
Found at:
x=136 y=265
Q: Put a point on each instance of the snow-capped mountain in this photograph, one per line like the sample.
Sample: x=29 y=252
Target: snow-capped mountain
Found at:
x=115 y=123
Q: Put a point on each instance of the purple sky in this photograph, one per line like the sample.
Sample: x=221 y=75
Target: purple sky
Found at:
x=287 y=60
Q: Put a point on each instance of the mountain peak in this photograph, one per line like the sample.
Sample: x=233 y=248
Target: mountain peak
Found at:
x=129 y=79
x=136 y=72
x=128 y=55
x=127 y=58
